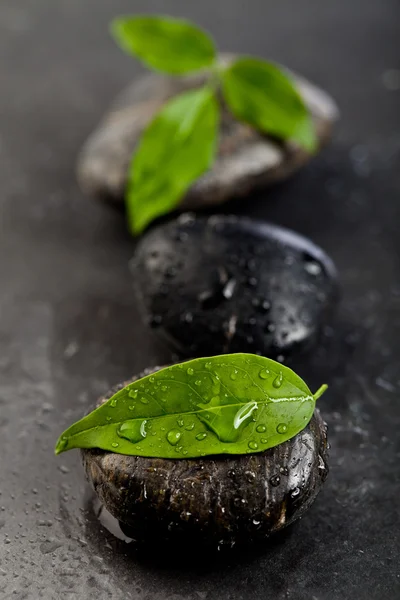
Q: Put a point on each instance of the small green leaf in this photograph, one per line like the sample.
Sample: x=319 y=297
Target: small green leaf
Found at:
x=170 y=45
x=261 y=94
x=177 y=147
x=230 y=404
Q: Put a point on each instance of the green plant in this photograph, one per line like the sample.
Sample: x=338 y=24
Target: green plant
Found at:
x=230 y=404
x=180 y=143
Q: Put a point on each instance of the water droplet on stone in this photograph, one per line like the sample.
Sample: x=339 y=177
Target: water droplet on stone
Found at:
x=281 y=428
x=253 y=445
x=275 y=480
x=261 y=429
x=284 y=471
x=173 y=436
x=278 y=380
x=201 y=436
x=295 y=492
x=313 y=268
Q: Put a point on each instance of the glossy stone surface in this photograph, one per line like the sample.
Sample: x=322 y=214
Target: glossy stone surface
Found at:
x=214 y=501
x=226 y=284
x=69 y=330
x=246 y=160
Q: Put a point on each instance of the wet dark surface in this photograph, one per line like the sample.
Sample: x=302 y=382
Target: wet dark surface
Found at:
x=69 y=328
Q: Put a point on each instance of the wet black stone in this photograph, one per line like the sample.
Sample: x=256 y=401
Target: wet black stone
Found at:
x=228 y=284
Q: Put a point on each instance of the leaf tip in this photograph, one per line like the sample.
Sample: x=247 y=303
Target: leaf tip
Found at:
x=61 y=445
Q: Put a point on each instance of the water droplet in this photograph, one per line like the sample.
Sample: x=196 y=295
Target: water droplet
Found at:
x=164 y=388
x=62 y=444
x=144 y=400
x=233 y=375
x=113 y=402
x=278 y=380
x=134 y=431
x=190 y=371
x=115 y=445
x=284 y=471
x=197 y=382
x=180 y=422
x=215 y=399
x=133 y=394
x=173 y=436
x=256 y=522
x=152 y=379
x=281 y=428
x=261 y=429
x=208 y=365
x=244 y=413
x=189 y=427
x=201 y=436
x=131 y=407
x=265 y=305
x=264 y=440
x=263 y=374
x=275 y=480
x=295 y=492
x=312 y=268
x=252 y=445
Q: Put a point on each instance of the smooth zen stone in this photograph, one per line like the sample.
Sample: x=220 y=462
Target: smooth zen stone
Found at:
x=218 y=500
x=227 y=284
x=246 y=159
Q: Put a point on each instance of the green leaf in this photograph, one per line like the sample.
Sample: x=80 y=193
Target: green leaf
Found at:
x=230 y=404
x=177 y=147
x=170 y=45
x=261 y=94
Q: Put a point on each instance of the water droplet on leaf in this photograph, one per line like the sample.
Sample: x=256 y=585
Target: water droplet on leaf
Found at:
x=263 y=374
x=201 y=436
x=253 y=445
x=281 y=428
x=190 y=371
x=278 y=380
x=173 y=436
x=261 y=429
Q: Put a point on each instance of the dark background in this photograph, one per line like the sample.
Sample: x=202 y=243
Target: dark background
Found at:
x=69 y=327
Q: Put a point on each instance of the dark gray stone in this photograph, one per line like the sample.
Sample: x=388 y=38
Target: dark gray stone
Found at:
x=246 y=159
x=214 y=501
x=229 y=284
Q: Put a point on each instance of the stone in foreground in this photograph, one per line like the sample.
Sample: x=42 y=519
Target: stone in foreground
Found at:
x=215 y=500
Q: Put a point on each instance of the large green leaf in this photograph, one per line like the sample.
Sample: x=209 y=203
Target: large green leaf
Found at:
x=230 y=404
x=166 y=44
x=261 y=94
x=177 y=147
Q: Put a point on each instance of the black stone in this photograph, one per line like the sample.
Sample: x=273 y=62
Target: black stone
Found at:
x=227 y=284
x=216 y=501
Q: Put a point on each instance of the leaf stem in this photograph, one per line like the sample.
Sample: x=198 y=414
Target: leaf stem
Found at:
x=320 y=391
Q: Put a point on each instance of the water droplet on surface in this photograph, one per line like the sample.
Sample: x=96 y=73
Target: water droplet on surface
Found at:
x=189 y=371
x=208 y=365
x=281 y=428
x=295 y=492
x=256 y=522
x=62 y=444
x=244 y=413
x=201 y=436
x=134 y=431
x=133 y=394
x=173 y=436
x=252 y=445
x=215 y=399
x=152 y=379
x=164 y=388
x=131 y=407
x=284 y=471
x=113 y=402
x=115 y=444
x=264 y=440
x=263 y=374
x=180 y=422
x=278 y=380
x=265 y=305
x=275 y=480
x=261 y=429
x=144 y=400
x=189 y=427
x=197 y=382
x=312 y=268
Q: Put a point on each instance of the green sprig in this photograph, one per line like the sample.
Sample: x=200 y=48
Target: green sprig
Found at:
x=171 y=156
